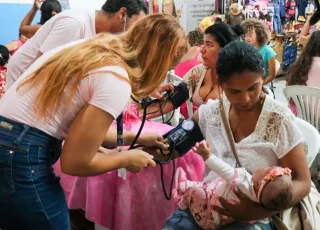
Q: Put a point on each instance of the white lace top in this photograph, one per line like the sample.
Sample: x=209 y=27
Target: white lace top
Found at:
x=274 y=136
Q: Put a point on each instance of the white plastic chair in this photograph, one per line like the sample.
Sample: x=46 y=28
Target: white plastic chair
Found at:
x=270 y=93
x=312 y=139
x=99 y=227
x=307 y=102
x=272 y=87
x=189 y=108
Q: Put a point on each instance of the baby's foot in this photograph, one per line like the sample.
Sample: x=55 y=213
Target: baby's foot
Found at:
x=181 y=183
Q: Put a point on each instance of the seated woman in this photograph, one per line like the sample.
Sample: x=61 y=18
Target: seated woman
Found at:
x=305 y=71
x=116 y=203
x=257 y=34
x=48 y=9
x=190 y=60
x=202 y=79
x=261 y=129
x=14 y=46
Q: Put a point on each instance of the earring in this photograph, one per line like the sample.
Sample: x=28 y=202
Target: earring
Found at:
x=262 y=97
x=125 y=23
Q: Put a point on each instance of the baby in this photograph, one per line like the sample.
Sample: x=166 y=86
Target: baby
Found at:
x=271 y=187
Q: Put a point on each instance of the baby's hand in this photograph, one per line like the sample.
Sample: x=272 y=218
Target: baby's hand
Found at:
x=203 y=149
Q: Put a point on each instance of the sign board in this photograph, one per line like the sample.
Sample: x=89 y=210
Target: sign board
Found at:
x=197 y=10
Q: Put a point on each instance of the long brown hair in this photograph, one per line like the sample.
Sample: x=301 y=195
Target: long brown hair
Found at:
x=147 y=51
x=298 y=72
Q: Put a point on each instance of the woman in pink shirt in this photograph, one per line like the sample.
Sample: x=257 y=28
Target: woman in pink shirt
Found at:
x=307 y=68
x=190 y=59
x=14 y=46
x=73 y=94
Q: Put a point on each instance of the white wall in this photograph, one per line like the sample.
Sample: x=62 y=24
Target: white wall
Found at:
x=86 y=4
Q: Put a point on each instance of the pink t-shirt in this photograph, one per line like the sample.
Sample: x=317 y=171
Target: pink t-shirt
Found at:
x=184 y=67
x=313 y=76
x=313 y=80
x=100 y=88
x=65 y=27
x=18 y=47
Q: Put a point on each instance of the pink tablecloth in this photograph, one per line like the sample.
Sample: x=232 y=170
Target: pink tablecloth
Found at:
x=137 y=203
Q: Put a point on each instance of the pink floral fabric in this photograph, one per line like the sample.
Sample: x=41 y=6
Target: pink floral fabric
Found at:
x=3 y=79
x=200 y=198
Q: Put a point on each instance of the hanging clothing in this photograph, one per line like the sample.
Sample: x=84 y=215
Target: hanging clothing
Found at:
x=276 y=15
x=291 y=10
x=302 y=4
x=282 y=8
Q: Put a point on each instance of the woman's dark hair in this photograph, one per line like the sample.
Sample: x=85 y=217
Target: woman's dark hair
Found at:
x=298 y=73
x=218 y=20
x=316 y=15
x=238 y=57
x=4 y=55
x=224 y=33
x=174 y=12
x=47 y=8
x=134 y=7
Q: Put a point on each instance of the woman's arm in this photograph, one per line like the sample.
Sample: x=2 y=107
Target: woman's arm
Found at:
x=304 y=34
x=80 y=154
x=296 y=161
x=147 y=139
x=200 y=27
x=29 y=30
x=272 y=70
x=25 y=27
x=154 y=109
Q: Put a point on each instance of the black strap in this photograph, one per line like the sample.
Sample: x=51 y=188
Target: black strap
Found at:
x=120 y=142
x=229 y=133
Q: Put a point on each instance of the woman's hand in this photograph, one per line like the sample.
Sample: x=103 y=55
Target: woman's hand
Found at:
x=152 y=140
x=244 y=210
x=158 y=93
x=37 y=4
x=203 y=149
x=138 y=160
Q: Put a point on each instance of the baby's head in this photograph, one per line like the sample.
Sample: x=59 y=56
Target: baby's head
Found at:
x=273 y=187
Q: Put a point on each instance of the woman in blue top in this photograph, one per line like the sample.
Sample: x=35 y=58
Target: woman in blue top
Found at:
x=257 y=34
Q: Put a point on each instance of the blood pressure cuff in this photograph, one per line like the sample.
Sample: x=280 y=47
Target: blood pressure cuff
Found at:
x=180 y=95
x=183 y=137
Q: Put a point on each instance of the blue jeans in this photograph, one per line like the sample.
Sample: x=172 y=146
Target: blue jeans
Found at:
x=31 y=196
x=183 y=219
x=276 y=18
